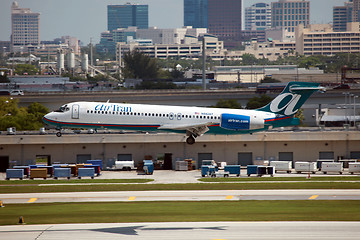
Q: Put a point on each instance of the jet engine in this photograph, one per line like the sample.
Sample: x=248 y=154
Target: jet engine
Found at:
x=240 y=122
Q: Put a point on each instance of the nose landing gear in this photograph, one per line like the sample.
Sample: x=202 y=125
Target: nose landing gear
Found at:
x=58 y=133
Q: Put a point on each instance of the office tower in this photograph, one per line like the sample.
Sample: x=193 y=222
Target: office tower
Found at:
x=224 y=18
x=356 y=11
x=128 y=15
x=341 y=16
x=258 y=17
x=290 y=13
x=196 y=13
x=24 y=27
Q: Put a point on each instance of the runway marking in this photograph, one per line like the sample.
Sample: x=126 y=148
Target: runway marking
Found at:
x=131 y=198
x=313 y=197
x=31 y=200
x=229 y=197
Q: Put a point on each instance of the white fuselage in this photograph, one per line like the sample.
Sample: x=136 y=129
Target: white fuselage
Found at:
x=146 y=117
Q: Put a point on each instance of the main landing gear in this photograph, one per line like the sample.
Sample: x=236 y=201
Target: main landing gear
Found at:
x=190 y=140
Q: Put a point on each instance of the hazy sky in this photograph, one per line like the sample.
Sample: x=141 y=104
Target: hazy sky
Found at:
x=88 y=18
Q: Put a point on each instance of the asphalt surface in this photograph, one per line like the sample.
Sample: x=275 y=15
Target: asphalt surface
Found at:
x=205 y=195
x=187 y=230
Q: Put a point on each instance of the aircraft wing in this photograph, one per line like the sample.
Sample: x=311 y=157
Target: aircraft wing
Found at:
x=198 y=129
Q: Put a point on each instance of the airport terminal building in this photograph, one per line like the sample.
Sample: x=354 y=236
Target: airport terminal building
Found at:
x=234 y=149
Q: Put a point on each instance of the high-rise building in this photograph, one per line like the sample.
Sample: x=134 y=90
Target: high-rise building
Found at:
x=224 y=19
x=356 y=11
x=341 y=16
x=196 y=13
x=290 y=13
x=258 y=17
x=128 y=15
x=24 y=28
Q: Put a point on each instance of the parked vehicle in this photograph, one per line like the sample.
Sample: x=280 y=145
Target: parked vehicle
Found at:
x=17 y=92
x=124 y=165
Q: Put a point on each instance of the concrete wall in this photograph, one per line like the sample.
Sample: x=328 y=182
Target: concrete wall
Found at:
x=305 y=146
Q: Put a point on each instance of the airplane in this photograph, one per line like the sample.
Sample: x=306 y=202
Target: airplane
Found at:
x=192 y=121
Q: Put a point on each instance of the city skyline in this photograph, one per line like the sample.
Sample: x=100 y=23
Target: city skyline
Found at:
x=76 y=18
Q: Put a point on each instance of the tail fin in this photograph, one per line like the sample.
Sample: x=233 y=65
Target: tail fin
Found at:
x=291 y=98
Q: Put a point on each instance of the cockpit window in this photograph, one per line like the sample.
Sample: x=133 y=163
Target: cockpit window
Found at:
x=63 y=108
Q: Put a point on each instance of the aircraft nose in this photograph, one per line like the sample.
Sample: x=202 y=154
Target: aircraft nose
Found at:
x=47 y=117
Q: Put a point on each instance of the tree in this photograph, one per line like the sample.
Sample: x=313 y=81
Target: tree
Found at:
x=248 y=59
x=139 y=66
x=258 y=102
x=22 y=118
x=231 y=103
x=26 y=69
x=300 y=115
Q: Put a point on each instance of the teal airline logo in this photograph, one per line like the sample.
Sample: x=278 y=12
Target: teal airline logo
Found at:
x=292 y=98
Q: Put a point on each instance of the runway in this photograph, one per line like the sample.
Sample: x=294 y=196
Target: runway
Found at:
x=205 y=195
x=187 y=230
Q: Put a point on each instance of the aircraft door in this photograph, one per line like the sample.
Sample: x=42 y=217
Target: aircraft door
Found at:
x=75 y=111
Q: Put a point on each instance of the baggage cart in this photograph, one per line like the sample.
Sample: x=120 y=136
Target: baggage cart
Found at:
x=148 y=168
x=14 y=173
x=265 y=170
x=38 y=173
x=320 y=161
x=96 y=168
x=305 y=167
x=354 y=168
x=332 y=167
x=86 y=172
x=252 y=169
x=62 y=172
x=282 y=166
x=233 y=169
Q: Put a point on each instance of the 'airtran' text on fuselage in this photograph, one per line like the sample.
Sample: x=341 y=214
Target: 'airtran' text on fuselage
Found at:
x=232 y=120
x=112 y=107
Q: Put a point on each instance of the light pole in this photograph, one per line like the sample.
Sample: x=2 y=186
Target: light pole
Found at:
x=345 y=107
x=355 y=110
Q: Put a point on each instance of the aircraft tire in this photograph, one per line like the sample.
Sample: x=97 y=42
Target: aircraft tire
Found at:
x=190 y=140
x=58 y=134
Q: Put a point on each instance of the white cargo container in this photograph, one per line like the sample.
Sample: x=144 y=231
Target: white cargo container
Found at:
x=124 y=165
x=181 y=166
x=305 y=167
x=281 y=166
x=354 y=168
x=332 y=167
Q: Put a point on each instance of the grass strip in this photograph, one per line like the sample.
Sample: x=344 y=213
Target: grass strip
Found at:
x=104 y=212
x=280 y=179
x=188 y=186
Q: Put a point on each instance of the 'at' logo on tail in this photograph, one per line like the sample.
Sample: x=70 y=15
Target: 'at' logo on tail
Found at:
x=292 y=98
